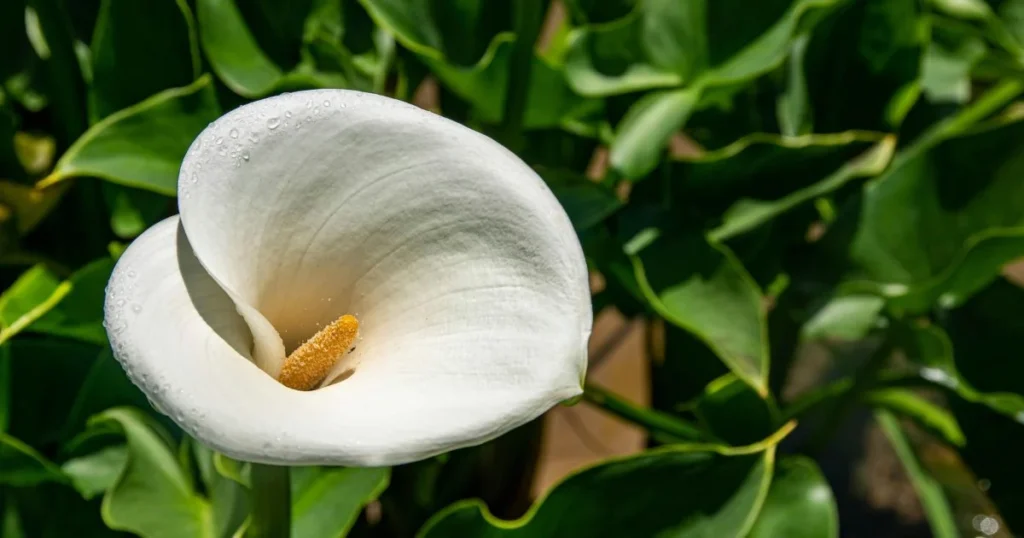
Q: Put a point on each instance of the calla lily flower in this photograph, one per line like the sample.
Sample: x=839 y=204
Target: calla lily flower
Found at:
x=352 y=280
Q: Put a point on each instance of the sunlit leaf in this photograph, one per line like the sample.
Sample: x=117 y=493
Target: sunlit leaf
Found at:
x=925 y=413
x=95 y=473
x=152 y=496
x=142 y=146
x=800 y=503
x=34 y=294
x=704 y=289
x=326 y=502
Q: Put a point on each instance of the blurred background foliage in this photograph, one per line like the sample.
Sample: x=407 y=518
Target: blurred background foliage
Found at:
x=749 y=177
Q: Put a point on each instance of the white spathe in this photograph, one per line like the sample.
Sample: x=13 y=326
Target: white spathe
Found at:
x=464 y=271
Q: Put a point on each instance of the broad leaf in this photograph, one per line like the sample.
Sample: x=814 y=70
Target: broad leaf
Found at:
x=926 y=414
x=849 y=317
x=95 y=473
x=703 y=288
x=152 y=496
x=142 y=146
x=591 y=502
x=927 y=236
x=233 y=52
x=733 y=412
x=79 y=314
x=585 y=201
x=643 y=133
x=327 y=501
x=800 y=503
x=35 y=293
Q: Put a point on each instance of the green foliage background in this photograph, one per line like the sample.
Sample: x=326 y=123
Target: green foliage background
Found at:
x=752 y=177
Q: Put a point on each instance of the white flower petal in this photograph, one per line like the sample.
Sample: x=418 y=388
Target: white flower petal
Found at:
x=464 y=271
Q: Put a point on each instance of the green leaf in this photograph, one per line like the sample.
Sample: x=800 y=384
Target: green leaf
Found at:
x=152 y=43
x=473 y=58
x=30 y=205
x=927 y=236
x=664 y=44
x=132 y=211
x=925 y=413
x=142 y=146
x=229 y=499
x=800 y=503
x=734 y=412
x=703 y=288
x=946 y=69
x=326 y=502
x=591 y=502
x=97 y=472
x=79 y=314
x=929 y=491
x=232 y=50
x=586 y=202
x=21 y=465
x=930 y=348
x=35 y=293
x=849 y=317
x=733 y=179
x=105 y=385
x=644 y=132
x=863 y=63
x=152 y=496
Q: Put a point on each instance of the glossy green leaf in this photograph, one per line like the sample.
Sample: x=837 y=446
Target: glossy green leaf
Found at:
x=927 y=236
x=229 y=499
x=644 y=132
x=590 y=502
x=928 y=415
x=929 y=491
x=142 y=146
x=95 y=473
x=327 y=501
x=152 y=496
x=152 y=43
x=849 y=317
x=703 y=288
x=35 y=293
x=946 y=69
x=21 y=465
x=232 y=50
x=930 y=348
x=79 y=314
x=801 y=169
x=664 y=44
x=474 y=59
x=800 y=503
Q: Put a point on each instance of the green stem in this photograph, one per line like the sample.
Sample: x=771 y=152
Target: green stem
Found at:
x=527 y=19
x=271 y=502
x=662 y=426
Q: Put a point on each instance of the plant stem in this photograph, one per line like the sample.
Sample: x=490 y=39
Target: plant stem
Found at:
x=662 y=426
x=271 y=502
x=527 y=19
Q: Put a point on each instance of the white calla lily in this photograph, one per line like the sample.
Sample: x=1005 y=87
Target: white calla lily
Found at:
x=465 y=275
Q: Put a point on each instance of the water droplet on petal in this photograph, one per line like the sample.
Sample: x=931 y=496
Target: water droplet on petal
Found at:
x=220 y=141
x=245 y=156
x=273 y=122
x=288 y=114
x=233 y=133
x=195 y=177
x=327 y=102
x=136 y=308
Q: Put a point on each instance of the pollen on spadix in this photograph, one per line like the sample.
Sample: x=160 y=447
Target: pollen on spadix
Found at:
x=310 y=363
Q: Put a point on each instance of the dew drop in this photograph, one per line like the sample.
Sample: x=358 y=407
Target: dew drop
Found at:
x=253 y=138
x=288 y=114
x=233 y=133
x=327 y=102
x=136 y=308
x=195 y=177
x=309 y=104
x=132 y=273
x=120 y=302
x=245 y=156
x=220 y=141
x=316 y=111
x=273 y=122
